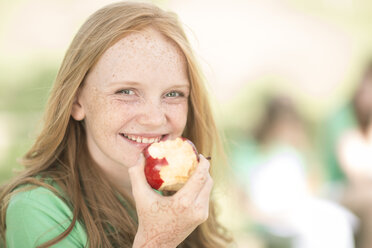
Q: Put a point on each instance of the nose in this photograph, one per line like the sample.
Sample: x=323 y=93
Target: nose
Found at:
x=152 y=115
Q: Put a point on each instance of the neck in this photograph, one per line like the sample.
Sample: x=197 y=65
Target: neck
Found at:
x=120 y=178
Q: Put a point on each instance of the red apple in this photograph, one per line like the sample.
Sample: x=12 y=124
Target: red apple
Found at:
x=170 y=163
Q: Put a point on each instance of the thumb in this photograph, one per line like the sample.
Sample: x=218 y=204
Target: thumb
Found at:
x=137 y=176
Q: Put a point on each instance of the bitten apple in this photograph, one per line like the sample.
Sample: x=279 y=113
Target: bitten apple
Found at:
x=170 y=163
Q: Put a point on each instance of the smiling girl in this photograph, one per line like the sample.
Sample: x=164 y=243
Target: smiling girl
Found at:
x=127 y=80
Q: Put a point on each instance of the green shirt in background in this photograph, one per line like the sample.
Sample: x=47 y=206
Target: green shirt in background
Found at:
x=335 y=126
x=36 y=216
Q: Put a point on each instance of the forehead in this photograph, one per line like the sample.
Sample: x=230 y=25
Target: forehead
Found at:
x=148 y=42
x=141 y=53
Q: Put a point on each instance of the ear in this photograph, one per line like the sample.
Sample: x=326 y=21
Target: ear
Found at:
x=77 y=111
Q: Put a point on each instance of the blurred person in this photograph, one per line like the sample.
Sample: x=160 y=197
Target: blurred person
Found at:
x=354 y=153
x=129 y=72
x=272 y=170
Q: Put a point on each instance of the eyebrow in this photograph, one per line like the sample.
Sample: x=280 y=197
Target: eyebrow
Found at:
x=129 y=83
x=134 y=83
x=179 y=86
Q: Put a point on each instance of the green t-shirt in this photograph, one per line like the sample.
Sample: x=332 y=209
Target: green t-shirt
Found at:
x=36 y=216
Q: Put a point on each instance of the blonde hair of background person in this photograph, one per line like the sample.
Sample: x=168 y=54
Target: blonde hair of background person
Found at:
x=60 y=152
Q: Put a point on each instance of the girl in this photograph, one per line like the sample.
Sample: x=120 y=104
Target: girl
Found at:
x=129 y=78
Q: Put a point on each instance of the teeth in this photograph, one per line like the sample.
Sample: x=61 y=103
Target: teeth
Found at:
x=144 y=140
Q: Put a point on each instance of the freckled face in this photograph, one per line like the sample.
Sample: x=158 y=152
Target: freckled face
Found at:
x=136 y=94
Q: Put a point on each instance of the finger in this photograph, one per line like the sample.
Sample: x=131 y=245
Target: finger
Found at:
x=201 y=204
x=197 y=180
x=138 y=178
x=204 y=196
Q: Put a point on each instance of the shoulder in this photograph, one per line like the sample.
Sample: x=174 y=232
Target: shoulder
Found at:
x=37 y=200
x=35 y=215
x=29 y=194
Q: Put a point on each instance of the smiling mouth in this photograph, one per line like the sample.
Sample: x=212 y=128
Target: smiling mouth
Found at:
x=142 y=140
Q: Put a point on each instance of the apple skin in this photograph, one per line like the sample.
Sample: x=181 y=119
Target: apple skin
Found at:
x=153 y=167
x=152 y=171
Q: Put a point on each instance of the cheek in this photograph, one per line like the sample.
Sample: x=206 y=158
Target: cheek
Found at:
x=177 y=114
x=103 y=115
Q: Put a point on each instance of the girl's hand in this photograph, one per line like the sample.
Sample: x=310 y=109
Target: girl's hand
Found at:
x=165 y=221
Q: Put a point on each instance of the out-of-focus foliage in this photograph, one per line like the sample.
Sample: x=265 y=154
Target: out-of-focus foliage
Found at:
x=23 y=95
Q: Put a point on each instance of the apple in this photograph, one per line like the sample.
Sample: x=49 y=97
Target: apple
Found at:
x=170 y=163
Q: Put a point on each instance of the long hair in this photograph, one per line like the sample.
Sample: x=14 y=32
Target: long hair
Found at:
x=60 y=151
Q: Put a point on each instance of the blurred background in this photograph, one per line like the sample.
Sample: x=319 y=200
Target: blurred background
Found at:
x=307 y=56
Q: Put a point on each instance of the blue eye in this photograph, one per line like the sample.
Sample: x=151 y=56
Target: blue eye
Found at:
x=174 y=94
x=126 y=92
